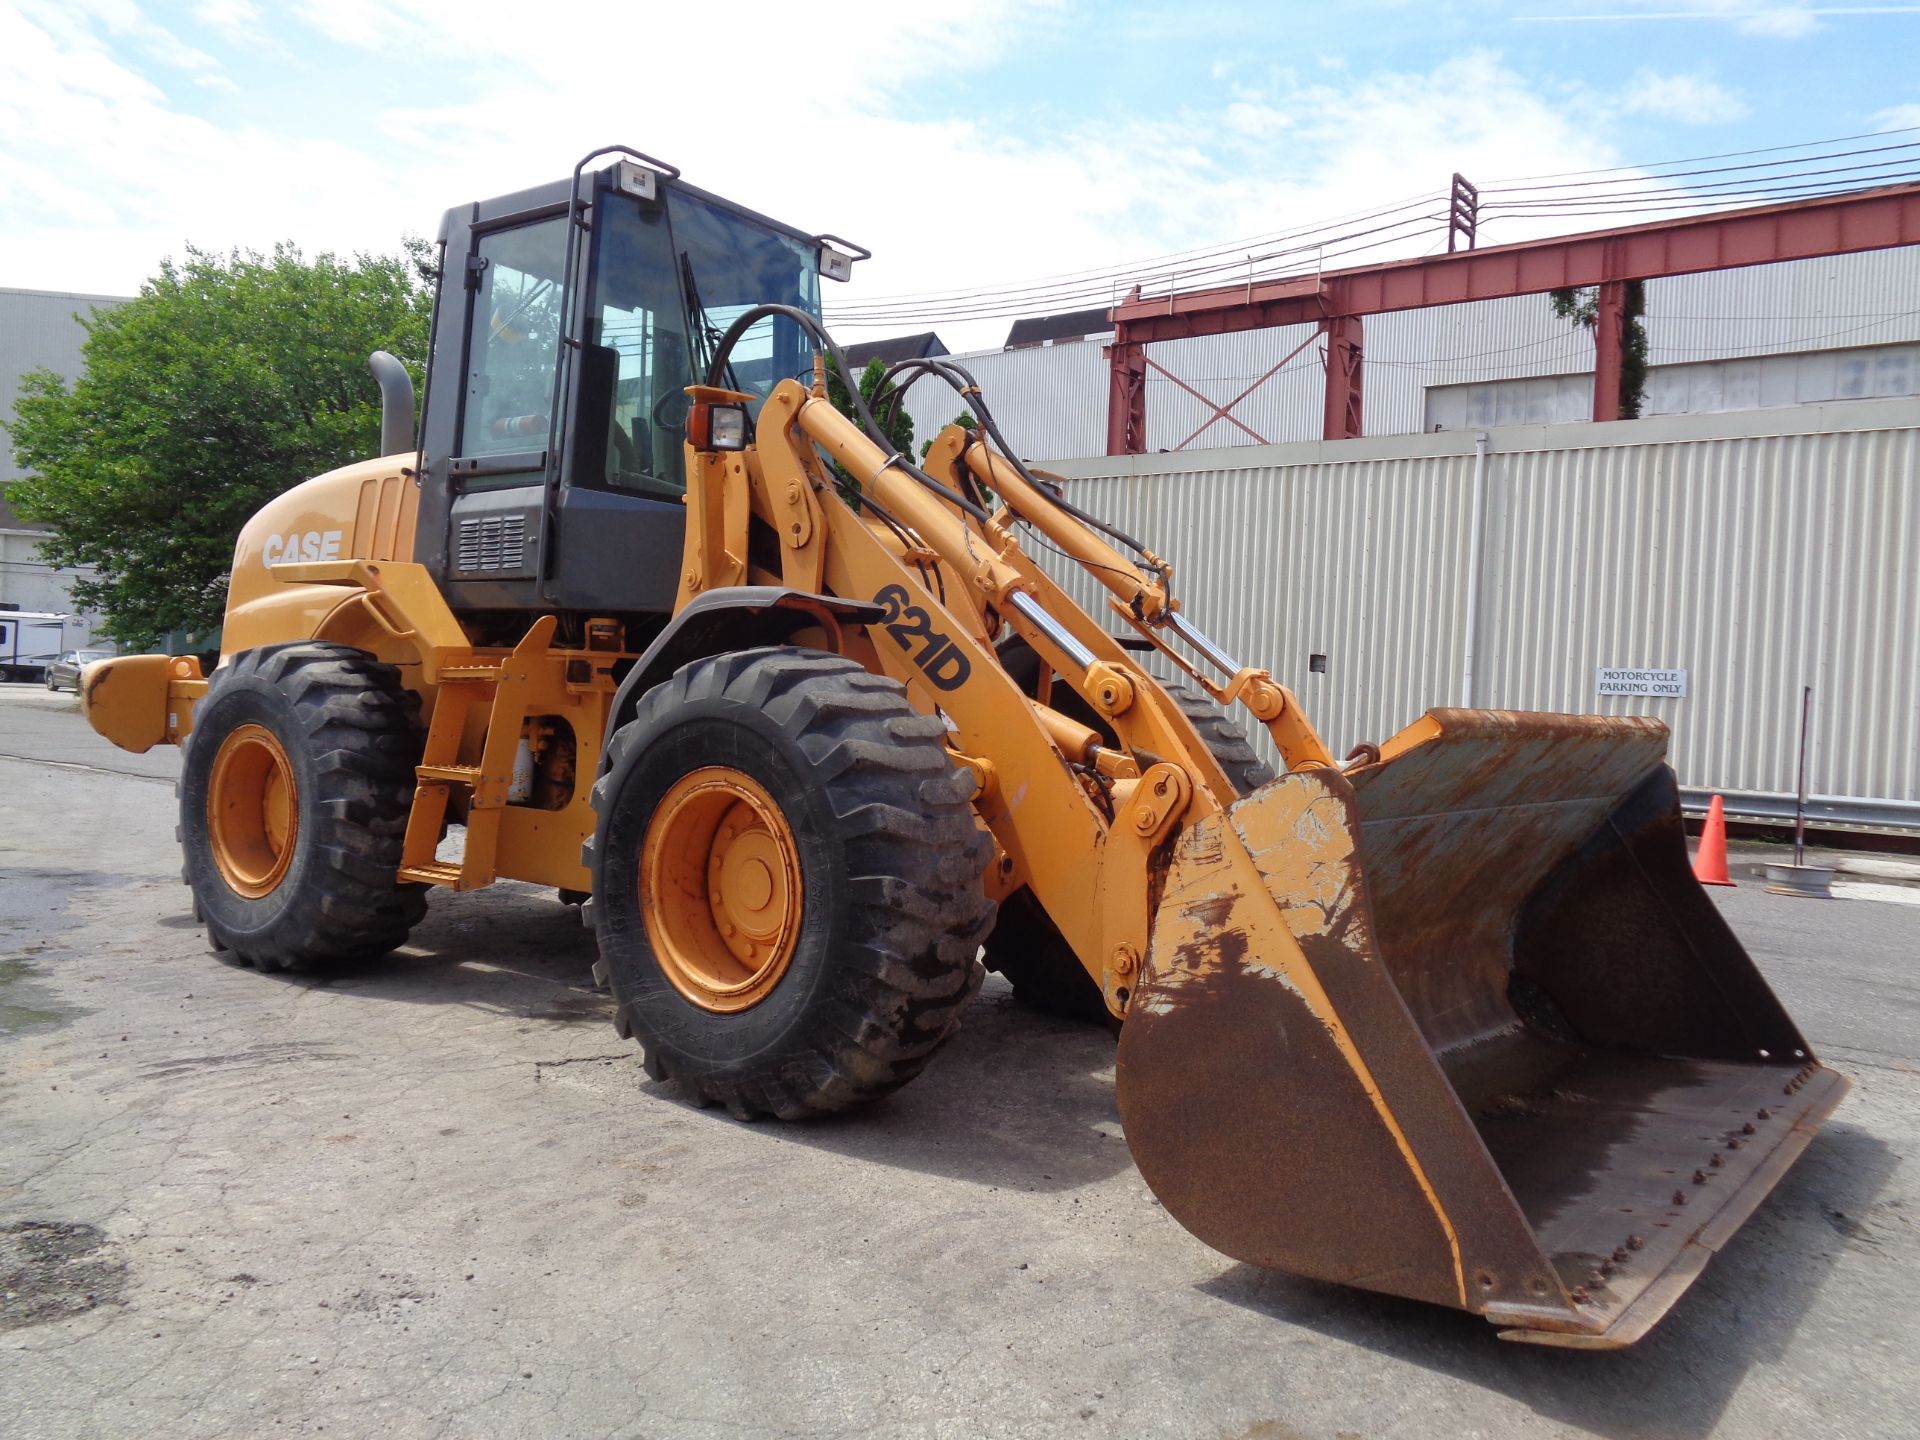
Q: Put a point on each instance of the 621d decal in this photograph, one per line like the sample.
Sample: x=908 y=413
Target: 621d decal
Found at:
x=939 y=659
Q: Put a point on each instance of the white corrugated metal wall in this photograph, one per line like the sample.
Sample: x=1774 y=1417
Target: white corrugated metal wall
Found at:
x=1757 y=551
x=1052 y=400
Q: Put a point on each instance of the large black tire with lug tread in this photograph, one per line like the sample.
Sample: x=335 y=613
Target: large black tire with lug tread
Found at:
x=294 y=790
x=1027 y=947
x=798 y=803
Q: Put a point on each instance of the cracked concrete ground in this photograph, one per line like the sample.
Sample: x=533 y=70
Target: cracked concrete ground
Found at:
x=436 y=1196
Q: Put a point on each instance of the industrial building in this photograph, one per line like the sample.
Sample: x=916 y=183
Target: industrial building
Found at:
x=39 y=329
x=1841 y=327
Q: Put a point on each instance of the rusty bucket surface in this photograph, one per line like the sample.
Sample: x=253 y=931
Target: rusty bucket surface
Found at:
x=1462 y=1026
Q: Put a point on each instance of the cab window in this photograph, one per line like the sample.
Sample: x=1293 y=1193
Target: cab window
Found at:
x=516 y=340
x=638 y=316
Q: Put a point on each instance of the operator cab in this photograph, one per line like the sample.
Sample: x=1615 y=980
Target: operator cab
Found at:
x=570 y=319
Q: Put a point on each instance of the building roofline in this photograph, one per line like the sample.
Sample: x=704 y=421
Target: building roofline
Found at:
x=61 y=294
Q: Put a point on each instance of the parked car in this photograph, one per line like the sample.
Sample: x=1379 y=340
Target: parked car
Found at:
x=64 y=673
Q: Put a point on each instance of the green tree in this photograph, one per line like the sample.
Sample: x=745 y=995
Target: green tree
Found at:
x=893 y=417
x=964 y=420
x=1582 y=307
x=226 y=381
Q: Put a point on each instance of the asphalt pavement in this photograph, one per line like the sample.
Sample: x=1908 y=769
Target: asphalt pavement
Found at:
x=436 y=1196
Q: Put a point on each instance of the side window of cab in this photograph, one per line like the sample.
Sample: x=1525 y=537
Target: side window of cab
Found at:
x=515 y=344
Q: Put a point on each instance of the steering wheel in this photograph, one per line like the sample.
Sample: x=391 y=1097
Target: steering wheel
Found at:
x=671 y=409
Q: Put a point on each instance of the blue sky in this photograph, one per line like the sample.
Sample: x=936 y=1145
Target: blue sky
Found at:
x=969 y=145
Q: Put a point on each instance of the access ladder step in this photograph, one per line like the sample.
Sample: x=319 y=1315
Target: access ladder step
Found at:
x=469 y=674
x=433 y=872
x=452 y=774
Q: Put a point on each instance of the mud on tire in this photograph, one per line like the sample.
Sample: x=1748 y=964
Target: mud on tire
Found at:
x=891 y=909
x=350 y=735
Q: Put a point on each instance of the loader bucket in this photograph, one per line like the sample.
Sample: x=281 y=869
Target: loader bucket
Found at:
x=1462 y=1026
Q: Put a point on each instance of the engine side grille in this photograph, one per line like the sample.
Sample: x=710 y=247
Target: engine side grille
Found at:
x=491 y=543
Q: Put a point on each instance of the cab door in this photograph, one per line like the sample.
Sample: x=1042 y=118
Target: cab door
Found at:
x=500 y=466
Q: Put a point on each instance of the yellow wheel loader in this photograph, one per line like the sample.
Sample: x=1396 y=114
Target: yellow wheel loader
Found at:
x=810 y=730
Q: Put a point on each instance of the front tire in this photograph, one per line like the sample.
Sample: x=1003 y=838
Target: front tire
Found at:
x=787 y=883
x=294 y=790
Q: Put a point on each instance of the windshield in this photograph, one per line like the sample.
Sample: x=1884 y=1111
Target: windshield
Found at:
x=667 y=282
x=730 y=265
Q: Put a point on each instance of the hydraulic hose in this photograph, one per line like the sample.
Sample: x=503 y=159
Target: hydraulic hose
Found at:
x=716 y=370
x=964 y=385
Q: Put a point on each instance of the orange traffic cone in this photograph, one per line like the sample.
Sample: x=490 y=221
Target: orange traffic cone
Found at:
x=1710 y=861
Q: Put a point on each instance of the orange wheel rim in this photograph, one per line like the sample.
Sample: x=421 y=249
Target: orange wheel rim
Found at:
x=253 y=811
x=720 y=889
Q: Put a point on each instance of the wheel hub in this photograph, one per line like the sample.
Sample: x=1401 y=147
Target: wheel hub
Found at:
x=720 y=889
x=253 y=811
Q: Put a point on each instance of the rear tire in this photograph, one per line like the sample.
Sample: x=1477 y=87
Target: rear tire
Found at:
x=823 y=776
x=294 y=790
x=1028 y=948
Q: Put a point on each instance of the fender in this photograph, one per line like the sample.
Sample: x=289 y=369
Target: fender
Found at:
x=731 y=617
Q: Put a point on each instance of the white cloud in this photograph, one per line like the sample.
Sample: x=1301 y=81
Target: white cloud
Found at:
x=74 y=20
x=1690 y=99
x=237 y=21
x=1898 y=117
x=833 y=128
x=1788 y=22
x=226 y=14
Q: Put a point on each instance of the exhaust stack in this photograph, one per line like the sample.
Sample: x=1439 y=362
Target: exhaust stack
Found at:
x=396 y=403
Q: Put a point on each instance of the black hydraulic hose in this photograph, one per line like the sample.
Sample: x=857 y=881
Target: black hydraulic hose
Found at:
x=893 y=390
x=987 y=423
x=717 y=367
x=963 y=383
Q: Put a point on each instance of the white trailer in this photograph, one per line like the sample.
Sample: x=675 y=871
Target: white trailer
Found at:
x=30 y=640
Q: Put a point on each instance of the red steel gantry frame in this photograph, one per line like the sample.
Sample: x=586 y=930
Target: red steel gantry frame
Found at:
x=1335 y=300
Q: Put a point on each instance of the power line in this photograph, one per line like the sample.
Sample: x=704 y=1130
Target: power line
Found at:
x=1159 y=264
x=1724 y=155
x=1802 y=176
x=1497 y=189
x=1103 y=282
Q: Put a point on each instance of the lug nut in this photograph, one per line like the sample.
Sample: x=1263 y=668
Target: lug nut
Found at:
x=1717 y=1161
x=1699 y=1177
x=1620 y=1256
x=1747 y=1129
x=1578 y=1295
x=1766 y=1114
x=1679 y=1197
x=1634 y=1242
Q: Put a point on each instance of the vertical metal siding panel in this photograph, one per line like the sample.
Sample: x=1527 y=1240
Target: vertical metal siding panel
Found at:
x=1865 y=726
x=1753 y=561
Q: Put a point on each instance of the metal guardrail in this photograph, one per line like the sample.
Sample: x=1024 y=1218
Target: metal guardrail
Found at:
x=1843 y=810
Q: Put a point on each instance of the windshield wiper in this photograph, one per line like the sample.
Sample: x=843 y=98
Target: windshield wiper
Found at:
x=701 y=332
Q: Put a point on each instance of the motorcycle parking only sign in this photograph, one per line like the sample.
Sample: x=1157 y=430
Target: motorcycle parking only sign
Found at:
x=1626 y=680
